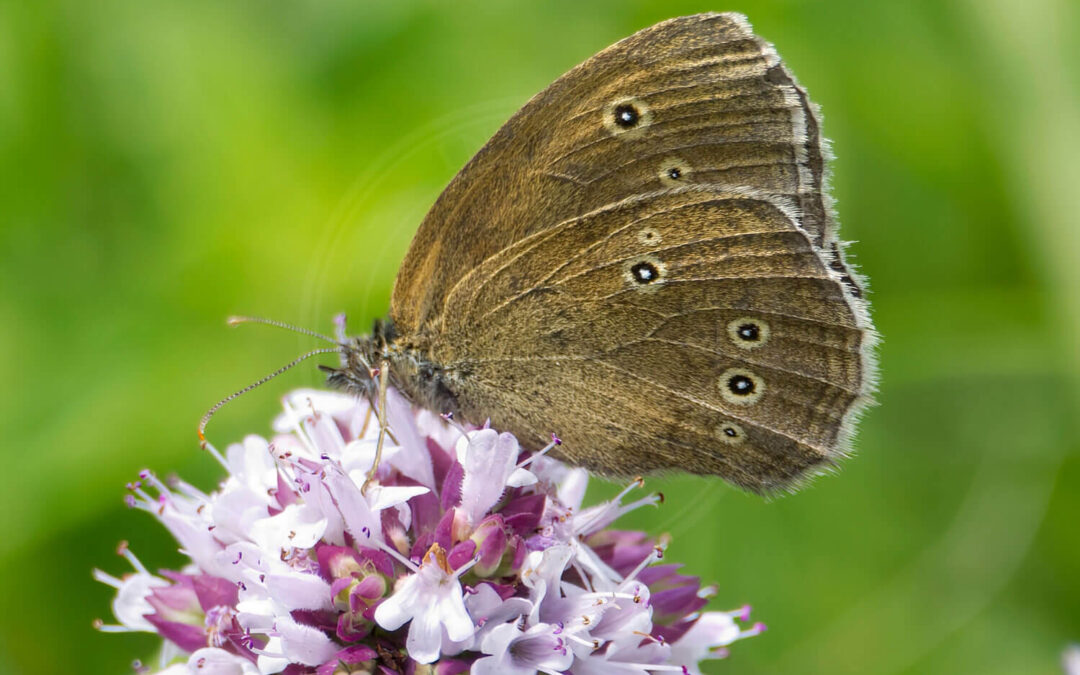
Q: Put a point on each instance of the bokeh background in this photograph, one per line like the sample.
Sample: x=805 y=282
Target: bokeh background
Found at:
x=165 y=164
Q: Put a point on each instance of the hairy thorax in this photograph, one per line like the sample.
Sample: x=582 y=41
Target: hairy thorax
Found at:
x=411 y=371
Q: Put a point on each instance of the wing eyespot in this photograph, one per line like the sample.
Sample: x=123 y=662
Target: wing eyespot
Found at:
x=649 y=237
x=626 y=117
x=730 y=433
x=748 y=333
x=674 y=171
x=645 y=273
x=741 y=386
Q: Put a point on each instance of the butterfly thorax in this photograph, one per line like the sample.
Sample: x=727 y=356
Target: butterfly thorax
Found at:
x=411 y=371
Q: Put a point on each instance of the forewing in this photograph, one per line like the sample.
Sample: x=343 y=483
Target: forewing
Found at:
x=710 y=102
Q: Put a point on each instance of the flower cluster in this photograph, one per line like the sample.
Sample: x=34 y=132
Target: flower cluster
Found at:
x=462 y=554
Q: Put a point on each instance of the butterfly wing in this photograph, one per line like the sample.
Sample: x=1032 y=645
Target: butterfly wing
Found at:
x=713 y=104
x=697 y=328
x=642 y=260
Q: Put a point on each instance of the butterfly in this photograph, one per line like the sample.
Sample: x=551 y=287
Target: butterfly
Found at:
x=643 y=259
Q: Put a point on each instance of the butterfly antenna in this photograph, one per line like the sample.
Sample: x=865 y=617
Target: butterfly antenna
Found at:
x=217 y=406
x=237 y=320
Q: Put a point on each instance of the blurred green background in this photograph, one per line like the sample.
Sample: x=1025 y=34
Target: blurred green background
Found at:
x=165 y=164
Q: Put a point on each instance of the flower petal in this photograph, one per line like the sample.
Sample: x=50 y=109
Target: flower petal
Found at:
x=399 y=608
x=212 y=661
x=304 y=644
x=425 y=637
x=451 y=613
x=299 y=591
x=489 y=461
x=131 y=605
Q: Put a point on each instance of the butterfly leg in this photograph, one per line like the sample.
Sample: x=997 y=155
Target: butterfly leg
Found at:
x=384 y=429
x=367 y=421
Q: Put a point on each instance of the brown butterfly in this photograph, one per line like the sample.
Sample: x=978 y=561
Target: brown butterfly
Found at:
x=644 y=260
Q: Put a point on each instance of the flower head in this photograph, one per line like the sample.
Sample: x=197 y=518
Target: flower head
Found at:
x=464 y=553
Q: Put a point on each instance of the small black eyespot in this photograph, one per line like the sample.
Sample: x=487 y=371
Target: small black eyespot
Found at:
x=741 y=385
x=750 y=332
x=730 y=433
x=645 y=272
x=674 y=173
x=627 y=116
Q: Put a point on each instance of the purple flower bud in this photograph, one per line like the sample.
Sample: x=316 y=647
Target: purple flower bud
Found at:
x=491 y=543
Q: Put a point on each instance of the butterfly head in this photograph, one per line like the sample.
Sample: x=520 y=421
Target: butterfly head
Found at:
x=361 y=358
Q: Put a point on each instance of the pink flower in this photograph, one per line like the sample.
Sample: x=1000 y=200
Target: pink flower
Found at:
x=522 y=652
x=464 y=553
x=432 y=600
x=490 y=460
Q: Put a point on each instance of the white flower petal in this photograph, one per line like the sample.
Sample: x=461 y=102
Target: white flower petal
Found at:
x=520 y=478
x=413 y=460
x=359 y=455
x=298 y=406
x=435 y=428
x=498 y=640
x=382 y=497
x=196 y=540
x=130 y=604
x=425 y=637
x=318 y=498
x=712 y=629
x=572 y=488
x=529 y=651
x=490 y=665
x=361 y=522
x=242 y=560
x=235 y=511
x=489 y=461
x=299 y=591
x=272 y=664
x=256 y=614
x=211 y=661
x=252 y=464
x=451 y=613
x=396 y=610
x=324 y=434
x=486 y=606
x=296 y=526
x=304 y=644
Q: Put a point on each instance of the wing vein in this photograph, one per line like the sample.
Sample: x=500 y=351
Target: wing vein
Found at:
x=539 y=284
x=739 y=278
x=612 y=139
x=698 y=242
